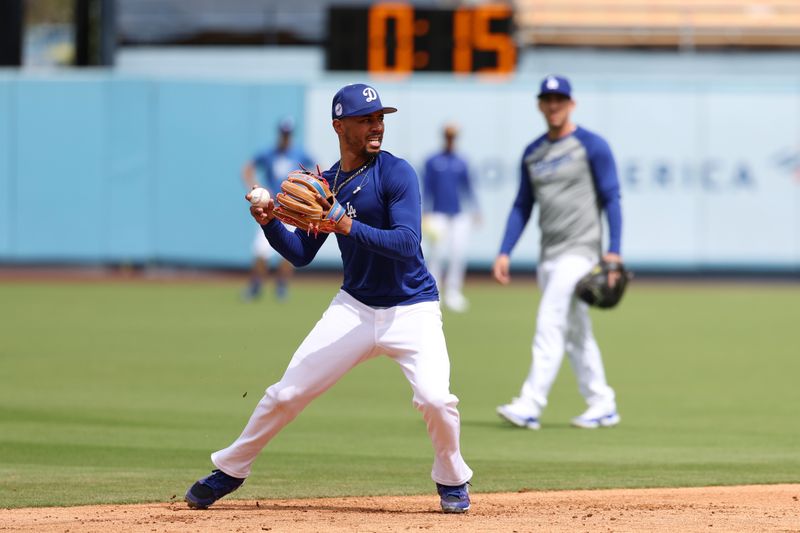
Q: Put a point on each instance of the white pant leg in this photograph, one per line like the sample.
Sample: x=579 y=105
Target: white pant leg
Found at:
x=261 y=247
x=412 y=335
x=587 y=363
x=438 y=238
x=459 y=237
x=557 y=279
x=342 y=338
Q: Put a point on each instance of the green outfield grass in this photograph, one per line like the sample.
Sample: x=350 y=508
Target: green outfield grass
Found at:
x=114 y=392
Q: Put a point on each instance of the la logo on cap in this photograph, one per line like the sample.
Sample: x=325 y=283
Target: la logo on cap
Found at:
x=552 y=83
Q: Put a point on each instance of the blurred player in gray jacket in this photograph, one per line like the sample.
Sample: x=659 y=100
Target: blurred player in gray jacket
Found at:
x=571 y=173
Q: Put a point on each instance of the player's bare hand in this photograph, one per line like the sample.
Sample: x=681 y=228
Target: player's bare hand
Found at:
x=501 y=269
x=613 y=276
x=263 y=215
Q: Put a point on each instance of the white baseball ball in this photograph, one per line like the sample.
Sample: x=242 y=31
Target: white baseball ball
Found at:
x=259 y=197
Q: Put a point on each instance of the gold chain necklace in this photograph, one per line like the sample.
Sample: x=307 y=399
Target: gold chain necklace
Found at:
x=336 y=188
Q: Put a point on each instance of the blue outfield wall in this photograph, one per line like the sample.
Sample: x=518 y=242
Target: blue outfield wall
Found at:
x=98 y=169
x=7 y=210
x=61 y=154
x=133 y=168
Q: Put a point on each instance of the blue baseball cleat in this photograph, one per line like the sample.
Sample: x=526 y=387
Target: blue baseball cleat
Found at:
x=454 y=499
x=211 y=488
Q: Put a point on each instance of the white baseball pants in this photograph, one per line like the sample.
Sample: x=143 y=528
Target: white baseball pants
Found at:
x=450 y=246
x=563 y=325
x=348 y=333
x=261 y=247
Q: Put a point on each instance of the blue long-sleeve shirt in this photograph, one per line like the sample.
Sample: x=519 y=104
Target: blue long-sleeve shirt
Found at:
x=275 y=164
x=382 y=258
x=574 y=179
x=446 y=184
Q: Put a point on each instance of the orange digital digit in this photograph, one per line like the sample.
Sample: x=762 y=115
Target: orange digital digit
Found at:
x=462 y=40
x=484 y=39
x=377 y=54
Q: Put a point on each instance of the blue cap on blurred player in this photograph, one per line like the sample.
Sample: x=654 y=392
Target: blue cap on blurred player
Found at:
x=357 y=100
x=286 y=125
x=555 y=85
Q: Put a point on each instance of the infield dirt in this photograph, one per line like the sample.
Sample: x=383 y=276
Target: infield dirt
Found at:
x=743 y=508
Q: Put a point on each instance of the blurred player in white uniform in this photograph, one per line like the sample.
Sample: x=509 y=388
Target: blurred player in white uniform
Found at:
x=388 y=304
x=273 y=164
x=449 y=208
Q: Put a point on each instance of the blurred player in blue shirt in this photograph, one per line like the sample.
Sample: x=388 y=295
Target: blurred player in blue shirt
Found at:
x=448 y=199
x=273 y=164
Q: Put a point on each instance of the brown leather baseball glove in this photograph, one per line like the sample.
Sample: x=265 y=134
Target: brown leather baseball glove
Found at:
x=297 y=203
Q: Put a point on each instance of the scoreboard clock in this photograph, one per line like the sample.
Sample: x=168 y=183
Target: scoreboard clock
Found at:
x=397 y=38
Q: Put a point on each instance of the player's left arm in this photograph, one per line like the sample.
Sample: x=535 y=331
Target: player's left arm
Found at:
x=402 y=239
x=604 y=172
x=467 y=190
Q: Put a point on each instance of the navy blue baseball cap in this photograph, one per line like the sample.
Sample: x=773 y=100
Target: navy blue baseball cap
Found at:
x=286 y=125
x=357 y=100
x=555 y=85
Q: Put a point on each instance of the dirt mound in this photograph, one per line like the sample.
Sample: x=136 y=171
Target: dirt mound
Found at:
x=744 y=508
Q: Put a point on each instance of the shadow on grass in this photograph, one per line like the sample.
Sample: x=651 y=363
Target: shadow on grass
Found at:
x=502 y=425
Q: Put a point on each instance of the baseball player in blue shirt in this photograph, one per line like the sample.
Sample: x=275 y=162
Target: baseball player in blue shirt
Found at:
x=571 y=173
x=387 y=304
x=273 y=164
x=449 y=206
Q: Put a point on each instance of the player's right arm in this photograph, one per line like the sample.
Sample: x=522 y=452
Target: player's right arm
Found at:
x=250 y=169
x=501 y=269
x=249 y=175
x=296 y=247
x=518 y=218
